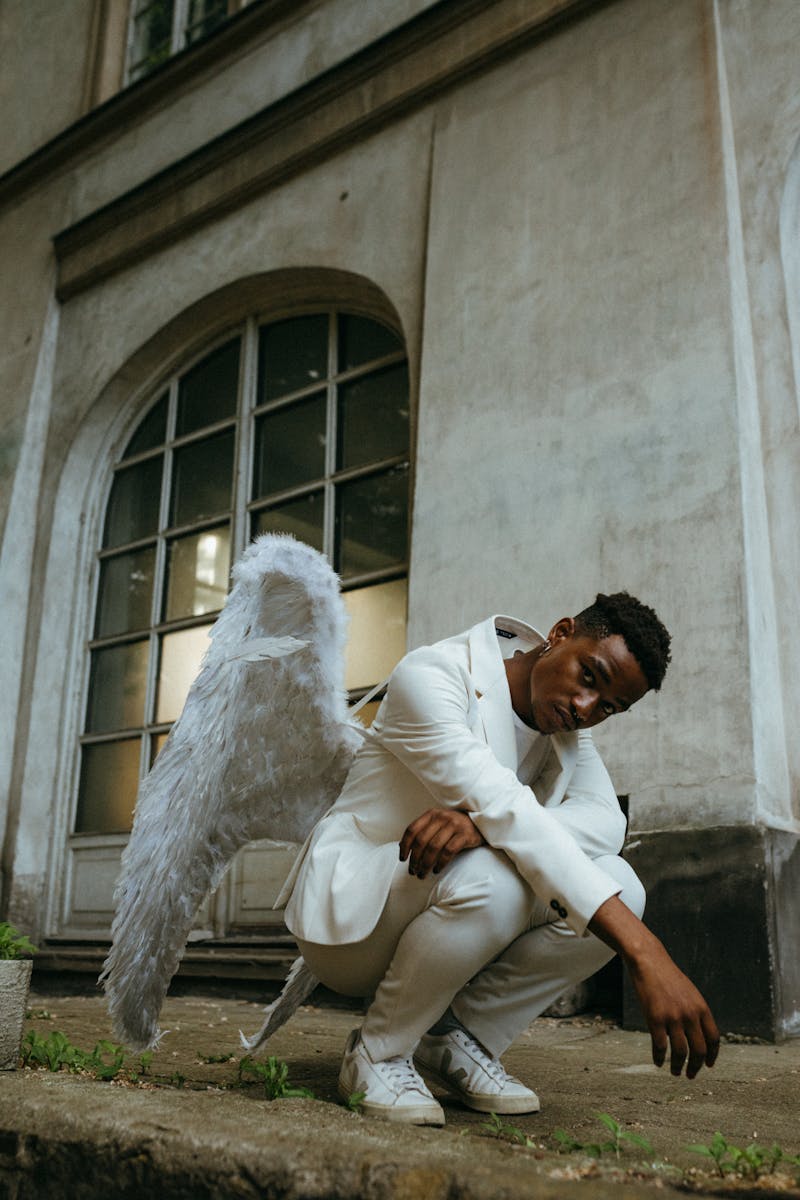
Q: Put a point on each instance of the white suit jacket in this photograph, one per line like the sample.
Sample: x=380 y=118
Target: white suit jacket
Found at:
x=444 y=735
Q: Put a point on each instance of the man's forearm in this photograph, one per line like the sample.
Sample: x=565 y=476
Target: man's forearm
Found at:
x=676 y=1013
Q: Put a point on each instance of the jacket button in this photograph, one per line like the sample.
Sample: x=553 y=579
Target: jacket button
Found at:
x=554 y=904
x=562 y=912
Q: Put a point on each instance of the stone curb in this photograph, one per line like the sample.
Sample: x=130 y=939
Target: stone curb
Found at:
x=72 y=1138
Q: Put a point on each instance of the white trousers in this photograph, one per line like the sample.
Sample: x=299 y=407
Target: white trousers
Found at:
x=475 y=938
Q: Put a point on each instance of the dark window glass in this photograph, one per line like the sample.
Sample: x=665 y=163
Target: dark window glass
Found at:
x=126 y=592
x=151 y=432
x=116 y=691
x=207 y=393
x=109 y=781
x=302 y=518
x=290 y=446
x=291 y=354
x=198 y=566
x=361 y=340
x=204 y=17
x=373 y=417
x=152 y=36
x=134 y=503
x=371 y=522
x=202 y=479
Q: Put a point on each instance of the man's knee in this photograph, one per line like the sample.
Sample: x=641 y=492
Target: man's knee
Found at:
x=486 y=879
x=632 y=895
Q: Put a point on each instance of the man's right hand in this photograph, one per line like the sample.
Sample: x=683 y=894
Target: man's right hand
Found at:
x=676 y=1014
x=435 y=838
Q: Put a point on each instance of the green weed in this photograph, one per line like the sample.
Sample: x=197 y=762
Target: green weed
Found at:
x=497 y=1127
x=56 y=1053
x=14 y=944
x=273 y=1076
x=214 y=1058
x=567 y=1144
x=355 y=1101
x=749 y=1162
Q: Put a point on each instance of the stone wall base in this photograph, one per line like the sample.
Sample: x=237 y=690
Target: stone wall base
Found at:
x=726 y=903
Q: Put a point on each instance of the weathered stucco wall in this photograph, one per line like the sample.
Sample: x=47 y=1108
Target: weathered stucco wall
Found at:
x=578 y=393
x=45 y=49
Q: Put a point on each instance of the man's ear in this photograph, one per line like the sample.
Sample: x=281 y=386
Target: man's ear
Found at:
x=561 y=630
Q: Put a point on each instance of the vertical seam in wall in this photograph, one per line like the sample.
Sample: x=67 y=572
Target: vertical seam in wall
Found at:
x=423 y=290
x=769 y=750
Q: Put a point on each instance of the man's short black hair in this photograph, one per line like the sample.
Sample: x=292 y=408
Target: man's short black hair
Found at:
x=645 y=636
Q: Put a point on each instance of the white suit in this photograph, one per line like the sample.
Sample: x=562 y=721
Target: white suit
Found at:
x=445 y=735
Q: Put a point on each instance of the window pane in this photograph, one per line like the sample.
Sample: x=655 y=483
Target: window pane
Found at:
x=152 y=35
x=376 y=638
x=290 y=446
x=373 y=417
x=116 y=691
x=291 y=355
x=158 y=741
x=134 y=502
x=151 y=432
x=207 y=393
x=181 y=654
x=361 y=340
x=202 y=479
x=371 y=520
x=302 y=518
x=197 y=573
x=109 y=781
x=204 y=16
x=126 y=592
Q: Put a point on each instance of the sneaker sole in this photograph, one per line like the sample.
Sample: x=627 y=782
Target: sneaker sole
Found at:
x=419 y=1114
x=482 y=1102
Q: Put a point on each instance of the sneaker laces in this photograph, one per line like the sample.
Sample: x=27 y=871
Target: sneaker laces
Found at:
x=492 y=1066
x=401 y=1073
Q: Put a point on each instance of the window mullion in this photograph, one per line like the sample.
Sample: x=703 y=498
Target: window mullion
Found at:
x=329 y=529
x=159 y=576
x=240 y=534
x=180 y=19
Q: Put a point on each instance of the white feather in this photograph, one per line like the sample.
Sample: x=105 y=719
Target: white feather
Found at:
x=300 y=983
x=260 y=750
x=258 y=649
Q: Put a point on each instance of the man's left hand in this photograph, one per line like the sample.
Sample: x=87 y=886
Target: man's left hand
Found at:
x=435 y=838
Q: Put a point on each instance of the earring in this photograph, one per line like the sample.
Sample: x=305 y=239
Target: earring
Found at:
x=545 y=646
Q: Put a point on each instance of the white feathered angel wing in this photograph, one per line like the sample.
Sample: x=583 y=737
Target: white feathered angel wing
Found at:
x=261 y=750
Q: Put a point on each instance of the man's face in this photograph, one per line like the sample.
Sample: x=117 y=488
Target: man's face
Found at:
x=581 y=680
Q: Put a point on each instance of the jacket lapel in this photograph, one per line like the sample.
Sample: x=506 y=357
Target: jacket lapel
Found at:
x=491 y=687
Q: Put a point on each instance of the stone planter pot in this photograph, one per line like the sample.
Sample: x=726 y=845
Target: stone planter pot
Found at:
x=15 y=978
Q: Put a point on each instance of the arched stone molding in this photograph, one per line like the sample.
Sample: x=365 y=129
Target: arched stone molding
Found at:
x=46 y=797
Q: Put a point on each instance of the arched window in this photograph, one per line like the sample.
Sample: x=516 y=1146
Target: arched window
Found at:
x=299 y=425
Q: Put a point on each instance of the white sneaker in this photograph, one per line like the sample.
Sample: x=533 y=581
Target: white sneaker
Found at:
x=392 y=1088
x=461 y=1065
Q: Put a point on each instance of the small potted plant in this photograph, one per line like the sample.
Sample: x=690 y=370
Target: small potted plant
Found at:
x=15 y=978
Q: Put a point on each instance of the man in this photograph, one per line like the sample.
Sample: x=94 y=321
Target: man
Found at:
x=481 y=768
